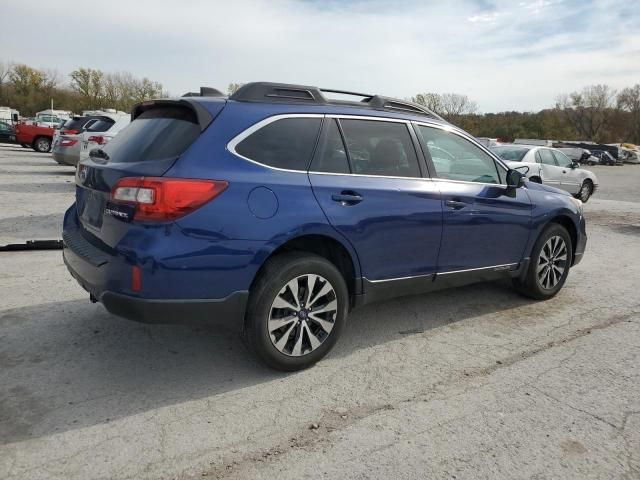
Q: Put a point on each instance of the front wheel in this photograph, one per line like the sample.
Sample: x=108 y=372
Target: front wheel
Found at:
x=549 y=265
x=297 y=310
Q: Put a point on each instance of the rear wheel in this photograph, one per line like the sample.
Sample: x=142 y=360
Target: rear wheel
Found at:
x=42 y=144
x=585 y=191
x=549 y=265
x=297 y=310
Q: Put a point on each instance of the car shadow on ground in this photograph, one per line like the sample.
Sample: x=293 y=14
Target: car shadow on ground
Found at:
x=70 y=365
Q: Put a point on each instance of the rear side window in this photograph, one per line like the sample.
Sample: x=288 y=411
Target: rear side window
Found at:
x=332 y=155
x=546 y=157
x=380 y=148
x=286 y=143
x=159 y=133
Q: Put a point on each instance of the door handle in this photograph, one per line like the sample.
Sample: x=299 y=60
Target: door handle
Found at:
x=455 y=204
x=347 y=197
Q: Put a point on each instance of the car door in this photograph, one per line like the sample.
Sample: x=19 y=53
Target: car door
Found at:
x=570 y=181
x=485 y=223
x=367 y=178
x=550 y=171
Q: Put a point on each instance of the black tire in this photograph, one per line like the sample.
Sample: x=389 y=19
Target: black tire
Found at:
x=271 y=283
x=42 y=145
x=586 y=190
x=531 y=285
x=591 y=164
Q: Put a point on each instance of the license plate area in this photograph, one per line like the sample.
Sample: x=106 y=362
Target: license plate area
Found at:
x=92 y=209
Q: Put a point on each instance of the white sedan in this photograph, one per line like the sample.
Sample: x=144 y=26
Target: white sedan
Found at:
x=551 y=167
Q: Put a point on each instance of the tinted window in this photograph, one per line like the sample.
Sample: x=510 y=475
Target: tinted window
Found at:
x=456 y=158
x=4 y=127
x=561 y=158
x=331 y=156
x=100 y=125
x=286 y=143
x=380 y=148
x=156 y=134
x=546 y=157
x=512 y=154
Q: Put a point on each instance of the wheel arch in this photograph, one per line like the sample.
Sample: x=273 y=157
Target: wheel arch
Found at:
x=572 y=229
x=323 y=244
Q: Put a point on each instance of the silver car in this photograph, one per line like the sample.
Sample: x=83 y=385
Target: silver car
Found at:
x=67 y=140
x=551 y=167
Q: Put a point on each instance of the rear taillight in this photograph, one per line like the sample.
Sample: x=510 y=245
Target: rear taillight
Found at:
x=163 y=199
x=71 y=131
x=99 y=139
x=67 y=142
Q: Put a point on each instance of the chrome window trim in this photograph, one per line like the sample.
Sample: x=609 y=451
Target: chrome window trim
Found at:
x=233 y=143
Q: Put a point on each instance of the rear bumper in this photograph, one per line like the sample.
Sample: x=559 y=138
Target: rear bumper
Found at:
x=64 y=158
x=227 y=313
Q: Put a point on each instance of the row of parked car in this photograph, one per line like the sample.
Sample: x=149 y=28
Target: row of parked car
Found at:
x=72 y=139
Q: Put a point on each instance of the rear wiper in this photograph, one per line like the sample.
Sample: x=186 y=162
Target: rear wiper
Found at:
x=99 y=153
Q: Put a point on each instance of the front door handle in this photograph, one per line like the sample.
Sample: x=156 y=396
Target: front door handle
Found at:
x=455 y=204
x=347 y=197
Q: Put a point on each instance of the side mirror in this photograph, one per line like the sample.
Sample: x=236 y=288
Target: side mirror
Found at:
x=515 y=179
x=574 y=165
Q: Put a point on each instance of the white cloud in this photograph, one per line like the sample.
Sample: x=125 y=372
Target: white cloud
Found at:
x=503 y=56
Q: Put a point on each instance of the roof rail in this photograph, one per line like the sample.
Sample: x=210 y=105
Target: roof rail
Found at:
x=270 y=92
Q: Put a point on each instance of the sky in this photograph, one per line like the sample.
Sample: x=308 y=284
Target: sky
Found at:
x=505 y=55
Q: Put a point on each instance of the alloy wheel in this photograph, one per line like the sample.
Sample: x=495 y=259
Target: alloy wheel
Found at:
x=552 y=262
x=302 y=315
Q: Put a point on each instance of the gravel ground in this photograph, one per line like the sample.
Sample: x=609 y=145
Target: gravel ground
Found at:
x=476 y=382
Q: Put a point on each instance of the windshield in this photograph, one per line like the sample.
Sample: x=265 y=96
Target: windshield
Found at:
x=512 y=154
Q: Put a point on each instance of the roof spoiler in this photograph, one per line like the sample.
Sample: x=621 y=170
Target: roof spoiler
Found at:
x=203 y=116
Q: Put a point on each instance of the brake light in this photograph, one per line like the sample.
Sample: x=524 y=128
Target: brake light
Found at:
x=165 y=199
x=71 y=131
x=99 y=139
x=67 y=142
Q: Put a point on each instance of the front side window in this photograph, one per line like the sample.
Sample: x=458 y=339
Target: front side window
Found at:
x=287 y=143
x=332 y=155
x=456 y=158
x=546 y=157
x=380 y=148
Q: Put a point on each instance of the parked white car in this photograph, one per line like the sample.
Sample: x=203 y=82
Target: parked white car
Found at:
x=551 y=167
x=99 y=134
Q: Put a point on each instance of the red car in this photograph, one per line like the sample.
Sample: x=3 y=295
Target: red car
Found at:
x=38 y=138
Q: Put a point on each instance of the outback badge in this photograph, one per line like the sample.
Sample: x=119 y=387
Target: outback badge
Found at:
x=121 y=212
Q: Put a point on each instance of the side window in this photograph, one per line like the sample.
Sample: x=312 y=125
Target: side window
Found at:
x=456 y=158
x=331 y=156
x=286 y=143
x=561 y=158
x=380 y=148
x=546 y=157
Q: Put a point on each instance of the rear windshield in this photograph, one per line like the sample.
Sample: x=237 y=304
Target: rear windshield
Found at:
x=159 y=133
x=74 y=123
x=100 y=125
x=512 y=154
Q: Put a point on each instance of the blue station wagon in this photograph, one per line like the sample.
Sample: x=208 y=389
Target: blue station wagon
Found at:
x=279 y=209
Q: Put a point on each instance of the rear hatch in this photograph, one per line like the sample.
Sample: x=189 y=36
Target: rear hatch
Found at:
x=160 y=132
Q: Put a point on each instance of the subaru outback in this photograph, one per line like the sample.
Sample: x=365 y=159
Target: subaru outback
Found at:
x=279 y=209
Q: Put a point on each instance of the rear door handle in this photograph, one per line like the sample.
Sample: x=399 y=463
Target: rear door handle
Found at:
x=347 y=197
x=455 y=204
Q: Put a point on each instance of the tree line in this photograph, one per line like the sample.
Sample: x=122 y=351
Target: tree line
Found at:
x=30 y=90
x=595 y=113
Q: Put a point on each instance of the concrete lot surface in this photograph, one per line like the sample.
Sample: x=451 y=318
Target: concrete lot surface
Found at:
x=471 y=383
